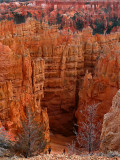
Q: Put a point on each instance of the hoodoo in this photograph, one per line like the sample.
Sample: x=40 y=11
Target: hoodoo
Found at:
x=56 y=71
x=57 y=59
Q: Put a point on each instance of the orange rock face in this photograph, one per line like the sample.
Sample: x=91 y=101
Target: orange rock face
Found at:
x=110 y=137
x=102 y=16
x=65 y=64
x=21 y=84
x=37 y=59
x=31 y=46
x=103 y=85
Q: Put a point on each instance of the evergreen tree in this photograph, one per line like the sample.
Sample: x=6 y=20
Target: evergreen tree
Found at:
x=89 y=135
x=31 y=141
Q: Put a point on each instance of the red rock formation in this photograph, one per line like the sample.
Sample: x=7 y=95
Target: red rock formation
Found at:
x=56 y=62
x=21 y=83
x=101 y=16
x=64 y=62
x=106 y=81
x=110 y=137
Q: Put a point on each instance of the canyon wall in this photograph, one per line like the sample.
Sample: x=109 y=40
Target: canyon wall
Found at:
x=21 y=82
x=65 y=62
x=110 y=137
x=64 y=66
x=103 y=85
x=72 y=69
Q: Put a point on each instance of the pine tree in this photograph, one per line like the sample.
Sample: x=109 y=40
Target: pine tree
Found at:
x=31 y=140
x=88 y=136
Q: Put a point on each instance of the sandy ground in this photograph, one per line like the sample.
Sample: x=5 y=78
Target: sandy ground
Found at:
x=58 y=144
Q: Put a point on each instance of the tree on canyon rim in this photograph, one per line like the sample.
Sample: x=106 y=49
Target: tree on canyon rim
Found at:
x=31 y=141
x=89 y=130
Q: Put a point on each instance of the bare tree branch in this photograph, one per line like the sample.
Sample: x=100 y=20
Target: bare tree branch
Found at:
x=31 y=140
x=89 y=133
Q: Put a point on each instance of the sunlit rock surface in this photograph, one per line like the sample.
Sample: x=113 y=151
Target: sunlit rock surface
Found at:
x=110 y=137
x=44 y=67
x=102 y=86
x=21 y=83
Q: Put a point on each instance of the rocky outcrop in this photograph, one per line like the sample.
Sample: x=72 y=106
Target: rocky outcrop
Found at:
x=21 y=84
x=110 y=137
x=55 y=62
x=63 y=58
x=102 y=16
x=103 y=85
x=65 y=64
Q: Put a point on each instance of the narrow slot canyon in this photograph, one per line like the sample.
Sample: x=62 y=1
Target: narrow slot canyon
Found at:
x=65 y=68
x=57 y=74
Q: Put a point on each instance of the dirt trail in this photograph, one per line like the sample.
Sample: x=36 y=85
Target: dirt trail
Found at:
x=59 y=143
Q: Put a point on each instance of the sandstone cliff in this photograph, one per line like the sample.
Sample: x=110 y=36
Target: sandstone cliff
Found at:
x=110 y=137
x=21 y=83
x=103 y=85
x=55 y=62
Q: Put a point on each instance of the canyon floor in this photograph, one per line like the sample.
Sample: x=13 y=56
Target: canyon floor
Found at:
x=58 y=144
x=66 y=157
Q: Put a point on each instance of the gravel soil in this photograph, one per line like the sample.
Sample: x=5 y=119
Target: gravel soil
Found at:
x=64 y=157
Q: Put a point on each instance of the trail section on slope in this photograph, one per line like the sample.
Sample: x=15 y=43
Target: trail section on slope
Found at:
x=59 y=143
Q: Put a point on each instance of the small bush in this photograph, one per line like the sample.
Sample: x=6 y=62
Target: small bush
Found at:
x=113 y=154
x=6 y=144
